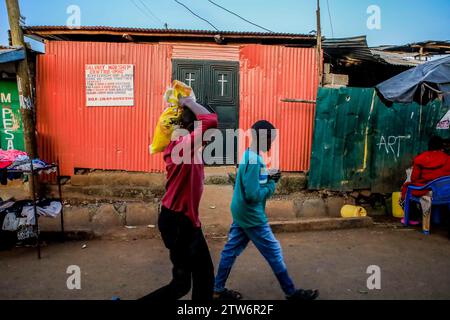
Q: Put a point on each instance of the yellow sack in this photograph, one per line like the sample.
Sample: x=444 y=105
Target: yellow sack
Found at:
x=171 y=117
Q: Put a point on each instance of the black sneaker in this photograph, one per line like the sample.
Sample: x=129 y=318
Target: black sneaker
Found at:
x=227 y=295
x=305 y=295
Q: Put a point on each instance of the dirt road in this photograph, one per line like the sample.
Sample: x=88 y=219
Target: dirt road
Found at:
x=412 y=267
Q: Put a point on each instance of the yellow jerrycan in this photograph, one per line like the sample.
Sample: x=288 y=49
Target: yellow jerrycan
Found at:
x=349 y=211
x=397 y=211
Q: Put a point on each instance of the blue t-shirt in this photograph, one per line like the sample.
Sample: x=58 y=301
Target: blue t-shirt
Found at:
x=252 y=189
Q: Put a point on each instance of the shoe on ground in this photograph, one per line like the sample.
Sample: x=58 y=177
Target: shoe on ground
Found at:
x=304 y=295
x=411 y=222
x=227 y=295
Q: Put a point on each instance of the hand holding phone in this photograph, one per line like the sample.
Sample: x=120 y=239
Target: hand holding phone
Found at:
x=275 y=175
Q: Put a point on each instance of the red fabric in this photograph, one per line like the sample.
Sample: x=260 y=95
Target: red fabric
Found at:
x=5 y=164
x=11 y=155
x=184 y=186
x=428 y=166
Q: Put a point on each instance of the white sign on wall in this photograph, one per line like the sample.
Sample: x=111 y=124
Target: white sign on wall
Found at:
x=109 y=85
x=444 y=124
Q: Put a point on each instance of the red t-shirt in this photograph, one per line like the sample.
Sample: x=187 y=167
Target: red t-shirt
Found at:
x=184 y=186
x=428 y=166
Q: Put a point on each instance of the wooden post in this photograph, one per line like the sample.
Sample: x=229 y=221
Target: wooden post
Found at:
x=24 y=85
x=24 y=82
x=319 y=45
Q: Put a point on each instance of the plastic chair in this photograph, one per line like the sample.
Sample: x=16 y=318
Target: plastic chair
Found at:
x=441 y=194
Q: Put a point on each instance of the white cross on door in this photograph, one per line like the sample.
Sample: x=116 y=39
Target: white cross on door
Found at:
x=190 y=79
x=222 y=81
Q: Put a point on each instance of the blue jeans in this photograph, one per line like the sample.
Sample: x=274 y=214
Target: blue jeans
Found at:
x=264 y=240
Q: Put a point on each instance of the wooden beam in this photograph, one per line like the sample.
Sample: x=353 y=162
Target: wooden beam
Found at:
x=299 y=101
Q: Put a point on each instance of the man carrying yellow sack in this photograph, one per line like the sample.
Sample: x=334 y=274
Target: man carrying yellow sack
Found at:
x=171 y=117
x=179 y=221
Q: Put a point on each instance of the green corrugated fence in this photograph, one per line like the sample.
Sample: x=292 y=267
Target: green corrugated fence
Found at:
x=360 y=143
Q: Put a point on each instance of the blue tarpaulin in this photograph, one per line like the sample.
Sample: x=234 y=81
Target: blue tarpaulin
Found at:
x=11 y=55
x=421 y=84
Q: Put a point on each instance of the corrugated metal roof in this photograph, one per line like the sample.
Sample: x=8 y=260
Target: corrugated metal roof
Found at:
x=351 y=49
x=11 y=54
x=430 y=46
x=122 y=34
x=163 y=31
x=398 y=59
x=355 y=49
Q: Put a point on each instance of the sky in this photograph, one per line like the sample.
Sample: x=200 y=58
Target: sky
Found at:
x=400 y=21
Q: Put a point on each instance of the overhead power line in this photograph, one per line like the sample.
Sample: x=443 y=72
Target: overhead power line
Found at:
x=187 y=8
x=143 y=12
x=331 y=20
x=240 y=17
x=151 y=12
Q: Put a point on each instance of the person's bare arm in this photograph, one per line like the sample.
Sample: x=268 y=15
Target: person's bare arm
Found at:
x=196 y=108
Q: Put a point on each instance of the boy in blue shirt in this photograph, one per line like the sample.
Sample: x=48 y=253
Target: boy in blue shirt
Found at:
x=253 y=187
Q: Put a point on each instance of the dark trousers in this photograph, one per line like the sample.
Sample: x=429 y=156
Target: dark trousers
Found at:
x=415 y=211
x=189 y=253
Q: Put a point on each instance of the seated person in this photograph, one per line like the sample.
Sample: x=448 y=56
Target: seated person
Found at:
x=446 y=143
x=428 y=166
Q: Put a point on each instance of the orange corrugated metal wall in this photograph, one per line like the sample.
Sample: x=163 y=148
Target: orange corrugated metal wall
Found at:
x=270 y=74
x=201 y=51
x=117 y=138
x=112 y=138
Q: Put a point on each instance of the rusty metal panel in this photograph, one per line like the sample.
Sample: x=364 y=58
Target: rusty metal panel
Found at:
x=202 y=51
x=110 y=138
x=360 y=143
x=269 y=74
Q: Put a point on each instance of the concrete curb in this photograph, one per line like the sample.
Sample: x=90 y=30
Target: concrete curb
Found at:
x=118 y=233
x=318 y=224
x=144 y=232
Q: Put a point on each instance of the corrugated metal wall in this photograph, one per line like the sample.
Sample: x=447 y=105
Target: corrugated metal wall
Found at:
x=359 y=143
x=113 y=138
x=270 y=74
x=202 y=51
x=117 y=138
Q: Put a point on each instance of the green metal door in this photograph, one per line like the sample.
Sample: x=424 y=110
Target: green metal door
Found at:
x=216 y=84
